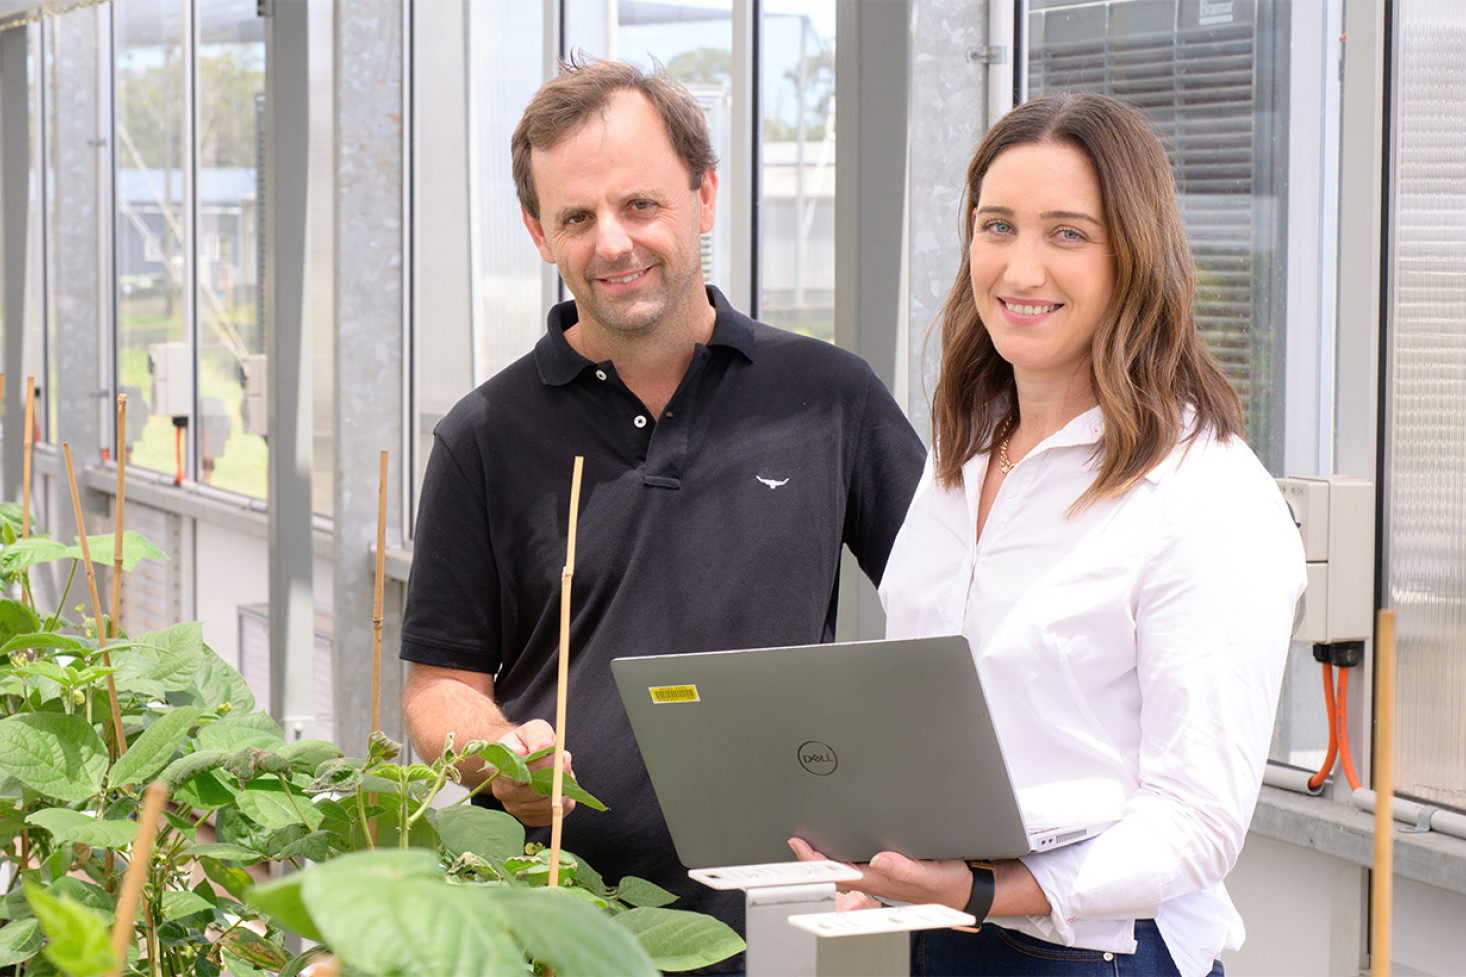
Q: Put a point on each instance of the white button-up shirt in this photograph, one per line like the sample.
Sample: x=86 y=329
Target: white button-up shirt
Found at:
x=1133 y=649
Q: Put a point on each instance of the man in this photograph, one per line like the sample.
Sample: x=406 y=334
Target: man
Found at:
x=725 y=463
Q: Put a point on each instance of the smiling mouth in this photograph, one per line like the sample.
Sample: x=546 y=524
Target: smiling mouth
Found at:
x=1018 y=309
x=625 y=279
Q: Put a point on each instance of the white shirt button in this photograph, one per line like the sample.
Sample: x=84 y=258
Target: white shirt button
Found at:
x=640 y=420
x=1012 y=492
x=600 y=374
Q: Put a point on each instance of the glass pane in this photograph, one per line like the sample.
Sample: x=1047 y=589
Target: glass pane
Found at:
x=797 y=205
x=1425 y=501
x=1214 y=85
x=152 y=343
x=231 y=85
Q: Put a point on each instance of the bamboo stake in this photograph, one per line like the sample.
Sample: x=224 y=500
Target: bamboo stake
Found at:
x=557 y=796
x=1381 y=905
x=30 y=441
x=137 y=871
x=86 y=557
x=117 y=521
x=377 y=596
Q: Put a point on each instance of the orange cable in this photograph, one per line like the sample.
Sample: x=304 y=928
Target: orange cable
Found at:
x=1316 y=781
x=1342 y=725
x=178 y=453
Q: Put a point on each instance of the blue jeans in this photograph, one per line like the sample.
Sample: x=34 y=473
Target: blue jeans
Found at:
x=997 y=952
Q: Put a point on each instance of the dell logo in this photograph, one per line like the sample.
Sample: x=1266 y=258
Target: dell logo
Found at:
x=818 y=758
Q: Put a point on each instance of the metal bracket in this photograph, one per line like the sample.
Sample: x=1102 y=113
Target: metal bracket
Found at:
x=1422 y=820
x=989 y=54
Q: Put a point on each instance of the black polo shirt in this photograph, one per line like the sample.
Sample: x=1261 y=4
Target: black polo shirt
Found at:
x=716 y=525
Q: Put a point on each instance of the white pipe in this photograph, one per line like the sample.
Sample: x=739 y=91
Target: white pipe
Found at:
x=1289 y=778
x=1409 y=812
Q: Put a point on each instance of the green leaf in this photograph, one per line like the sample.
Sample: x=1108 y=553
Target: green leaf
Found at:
x=103 y=550
x=281 y=900
x=68 y=826
x=179 y=652
x=88 y=894
x=568 y=935
x=266 y=803
x=153 y=750
x=231 y=878
x=16 y=617
x=505 y=761
x=231 y=736
x=55 y=755
x=223 y=853
x=543 y=783
x=491 y=835
x=191 y=765
x=680 y=940
x=26 y=553
x=177 y=905
x=217 y=683
x=205 y=792
x=51 y=642
x=392 y=913
x=307 y=755
x=315 y=846
x=253 y=949
x=639 y=892
x=76 y=938
x=19 y=941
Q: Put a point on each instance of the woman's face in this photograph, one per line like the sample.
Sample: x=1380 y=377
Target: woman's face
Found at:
x=1042 y=268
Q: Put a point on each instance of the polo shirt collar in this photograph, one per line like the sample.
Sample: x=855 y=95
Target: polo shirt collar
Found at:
x=558 y=362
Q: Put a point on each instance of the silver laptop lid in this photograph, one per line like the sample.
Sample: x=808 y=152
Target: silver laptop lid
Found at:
x=856 y=747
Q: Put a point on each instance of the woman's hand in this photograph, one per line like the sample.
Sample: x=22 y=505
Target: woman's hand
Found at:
x=901 y=879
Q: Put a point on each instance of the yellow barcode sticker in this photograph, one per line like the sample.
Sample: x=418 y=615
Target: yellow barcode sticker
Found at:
x=663 y=694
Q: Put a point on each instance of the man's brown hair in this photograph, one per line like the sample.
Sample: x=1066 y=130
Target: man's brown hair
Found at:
x=583 y=87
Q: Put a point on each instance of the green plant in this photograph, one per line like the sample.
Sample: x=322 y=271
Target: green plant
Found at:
x=374 y=871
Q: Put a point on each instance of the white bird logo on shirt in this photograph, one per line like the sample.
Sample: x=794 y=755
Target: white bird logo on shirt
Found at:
x=770 y=482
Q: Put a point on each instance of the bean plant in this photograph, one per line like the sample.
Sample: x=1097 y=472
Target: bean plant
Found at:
x=270 y=853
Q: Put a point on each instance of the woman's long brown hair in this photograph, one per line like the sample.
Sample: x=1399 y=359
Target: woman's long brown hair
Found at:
x=1148 y=361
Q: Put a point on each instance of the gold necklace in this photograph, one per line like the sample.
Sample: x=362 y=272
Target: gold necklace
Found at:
x=1004 y=465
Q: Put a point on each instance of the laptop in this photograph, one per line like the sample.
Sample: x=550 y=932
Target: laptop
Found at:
x=856 y=747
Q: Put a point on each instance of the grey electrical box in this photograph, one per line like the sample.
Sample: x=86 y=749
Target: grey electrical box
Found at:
x=171 y=366
x=255 y=408
x=1335 y=517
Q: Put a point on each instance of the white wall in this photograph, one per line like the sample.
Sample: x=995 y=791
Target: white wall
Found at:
x=1307 y=914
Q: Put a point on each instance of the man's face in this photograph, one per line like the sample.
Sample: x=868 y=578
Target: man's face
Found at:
x=618 y=218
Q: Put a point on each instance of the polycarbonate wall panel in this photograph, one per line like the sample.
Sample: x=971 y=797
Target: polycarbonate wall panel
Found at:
x=1425 y=500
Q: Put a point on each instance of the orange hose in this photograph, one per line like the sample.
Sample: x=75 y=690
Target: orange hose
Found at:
x=178 y=454
x=1316 y=781
x=1342 y=727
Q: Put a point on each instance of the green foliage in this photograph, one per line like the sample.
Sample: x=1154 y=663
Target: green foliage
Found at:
x=388 y=881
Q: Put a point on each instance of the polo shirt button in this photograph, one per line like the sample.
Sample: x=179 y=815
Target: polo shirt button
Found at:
x=640 y=420
x=600 y=374
x=1012 y=492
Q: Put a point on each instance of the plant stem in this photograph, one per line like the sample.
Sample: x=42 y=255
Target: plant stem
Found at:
x=291 y=798
x=368 y=830
x=476 y=791
x=51 y=624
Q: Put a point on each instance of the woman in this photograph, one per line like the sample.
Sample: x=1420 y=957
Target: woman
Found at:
x=1123 y=566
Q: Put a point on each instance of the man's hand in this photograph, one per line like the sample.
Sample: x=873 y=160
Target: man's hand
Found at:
x=534 y=810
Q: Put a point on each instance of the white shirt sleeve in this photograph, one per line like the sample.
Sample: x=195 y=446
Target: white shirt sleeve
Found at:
x=1213 y=616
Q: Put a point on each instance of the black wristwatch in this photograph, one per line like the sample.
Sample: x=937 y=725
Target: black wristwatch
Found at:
x=984 y=887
